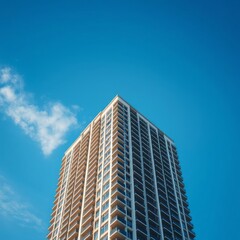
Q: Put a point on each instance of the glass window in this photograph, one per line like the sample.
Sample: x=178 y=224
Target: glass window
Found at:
x=96 y=224
x=104 y=238
x=104 y=228
x=98 y=193
x=105 y=186
x=106 y=168
x=97 y=213
x=106 y=177
x=107 y=153
x=105 y=206
x=107 y=161
x=105 y=196
x=107 y=147
x=95 y=235
x=104 y=217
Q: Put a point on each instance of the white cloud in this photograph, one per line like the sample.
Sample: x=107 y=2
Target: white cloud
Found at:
x=47 y=126
x=5 y=75
x=11 y=207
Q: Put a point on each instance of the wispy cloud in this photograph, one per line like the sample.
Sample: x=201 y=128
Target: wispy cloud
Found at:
x=47 y=126
x=12 y=207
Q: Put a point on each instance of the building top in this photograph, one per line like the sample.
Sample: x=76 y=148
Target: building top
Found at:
x=117 y=97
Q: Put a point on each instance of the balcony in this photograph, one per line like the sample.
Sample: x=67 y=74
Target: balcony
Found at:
x=75 y=217
x=92 y=172
x=118 y=201
x=117 y=164
x=50 y=227
x=88 y=236
x=119 y=151
x=90 y=191
x=118 y=141
x=176 y=226
x=186 y=210
x=118 y=175
x=67 y=208
x=117 y=135
x=82 y=162
x=88 y=210
x=76 y=208
x=78 y=188
x=49 y=235
x=54 y=209
x=139 y=198
x=118 y=184
x=116 y=171
x=87 y=228
x=88 y=219
x=94 y=153
x=168 y=232
x=188 y=218
x=73 y=225
x=190 y=225
x=191 y=234
x=166 y=222
x=91 y=181
x=177 y=233
x=73 y=235
x=118 y=145
x=65 y=220
x=118 y=192
x=119 y=211
x=93 y=164
x=79 y=182
x=118 y=221
x=76 y=199
x=117 y=234
x=63 y=233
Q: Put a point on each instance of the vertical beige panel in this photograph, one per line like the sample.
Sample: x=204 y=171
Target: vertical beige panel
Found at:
x=89 y=196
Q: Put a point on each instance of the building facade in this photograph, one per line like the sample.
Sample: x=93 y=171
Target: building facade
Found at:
x=121 y=179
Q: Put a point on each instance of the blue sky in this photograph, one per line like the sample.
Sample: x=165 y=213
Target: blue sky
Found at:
x=177 y=62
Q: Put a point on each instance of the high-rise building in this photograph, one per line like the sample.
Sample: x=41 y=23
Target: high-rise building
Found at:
x=121 y=179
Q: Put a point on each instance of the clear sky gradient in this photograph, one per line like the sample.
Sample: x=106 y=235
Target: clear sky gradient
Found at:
x=177 y=62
